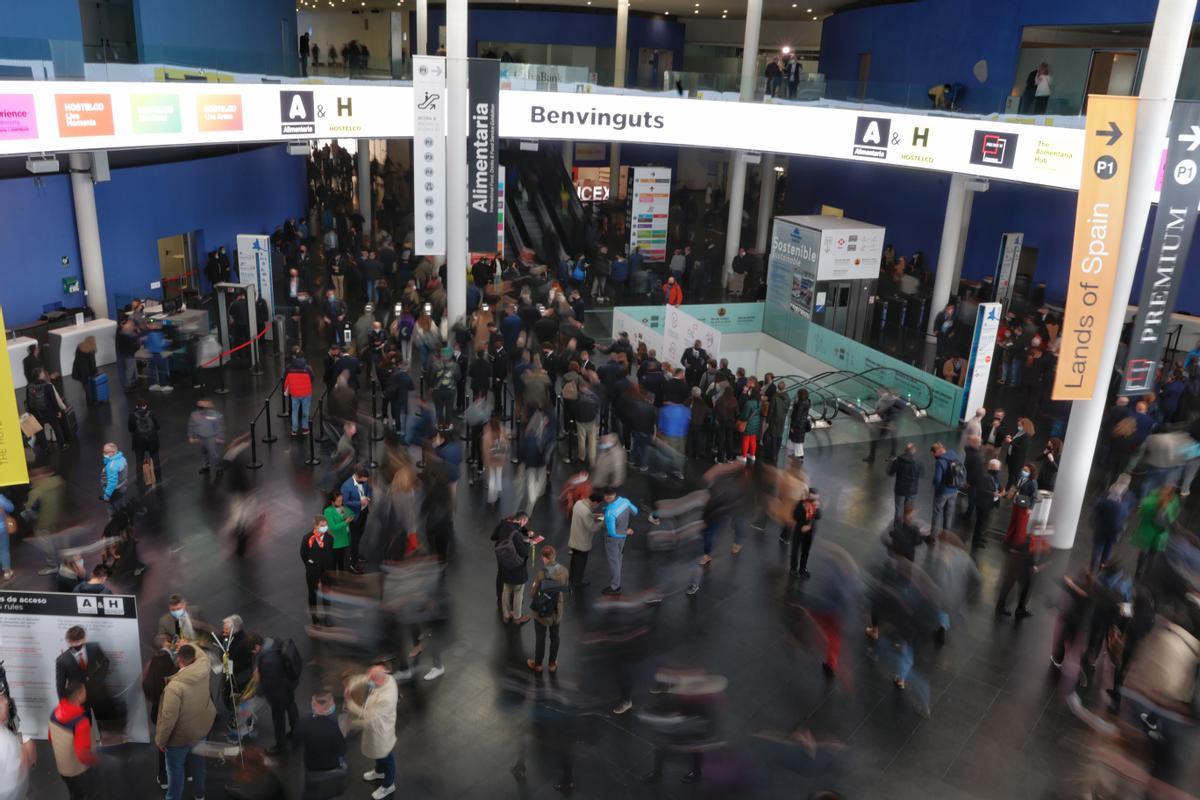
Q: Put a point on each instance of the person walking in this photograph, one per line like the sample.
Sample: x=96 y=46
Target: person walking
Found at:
x=143 y=428
x=206 y=427
x=908 y=473
x=1111 y=513
x=618 y=514
x=316 y=553
x=114 y=478
x=585 y=522
x=948 y=474
x=887 y=409
x=159 y=668
x=1157 y=515
x=84 y=369
x=807 y=512
x=548 y=599
x=70 y=735
x=375 y=717
x=185 y=716
x=278 y=667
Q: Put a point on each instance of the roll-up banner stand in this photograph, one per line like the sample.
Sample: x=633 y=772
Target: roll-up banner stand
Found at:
x=1174 y=227
x=33 y=627
x=429 y=155
x=1099 y=221
x=1006 y=267
x=483 y=101
x=254 y=266
x=983 y=348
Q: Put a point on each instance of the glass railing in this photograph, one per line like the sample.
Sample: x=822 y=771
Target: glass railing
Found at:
x=544 y=77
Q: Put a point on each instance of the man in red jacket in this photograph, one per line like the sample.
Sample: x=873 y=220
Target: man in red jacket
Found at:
x=71 y=740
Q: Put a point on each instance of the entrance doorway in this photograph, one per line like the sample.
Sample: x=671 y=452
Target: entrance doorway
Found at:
x=1112 y=72
x=177 y=265
x=651 y=66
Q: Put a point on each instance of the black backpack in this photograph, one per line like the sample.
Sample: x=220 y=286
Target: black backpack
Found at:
x=955 y=476
x=545 y=600
x=143 y=425
x=293 y=665
x=506 y=554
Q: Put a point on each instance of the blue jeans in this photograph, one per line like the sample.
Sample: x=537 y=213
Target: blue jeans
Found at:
x=300 y=409
x=387 y=766
x=176 y=779
x=5 y=555
x=1013 y=374
x=943 y=512
x=371 y=291
x=614 y=547
x=160 y=369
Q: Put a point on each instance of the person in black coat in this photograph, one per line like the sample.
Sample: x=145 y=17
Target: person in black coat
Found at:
x=85 y=662
x=1016 y=454
x=154 y=682
x=143 y=428
x=316 y=552
x=324 y=749
x=908 y=472
x=798 y=426
x=276 y=685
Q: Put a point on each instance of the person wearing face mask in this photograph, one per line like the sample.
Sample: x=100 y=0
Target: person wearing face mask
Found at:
x=316 y=552
x=83 y=662
x=182 y=621
x=985 y=490
x=324 y=749
x=375 y=716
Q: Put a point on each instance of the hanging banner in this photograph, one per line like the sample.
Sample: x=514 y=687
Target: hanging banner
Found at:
x=13 y=469
x=650 y=201
x=1174 y=227
x=33 y=628
x=483 y=101
x=1099 y=220
x=983 y=348
x=1006 y=266
x=429 y=155
x=254 y=266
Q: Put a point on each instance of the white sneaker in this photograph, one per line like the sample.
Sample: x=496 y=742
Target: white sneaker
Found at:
x=372 y=776
x=622 y=707
x=155 y=388
x=383 y=791
x=168 y=388
x=403 y=675
x=435 y=673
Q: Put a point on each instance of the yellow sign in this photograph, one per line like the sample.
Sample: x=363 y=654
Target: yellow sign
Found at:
x=13 y=469
x=1099 y=218
x=831 y=211
x=202 y=75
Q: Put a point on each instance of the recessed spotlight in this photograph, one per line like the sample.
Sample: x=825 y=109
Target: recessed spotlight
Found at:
x=814 y=19
x=809 y=10
x=795 y=4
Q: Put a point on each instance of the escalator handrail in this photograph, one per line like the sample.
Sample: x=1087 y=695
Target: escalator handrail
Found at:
x=846 y=375
x=814 y=395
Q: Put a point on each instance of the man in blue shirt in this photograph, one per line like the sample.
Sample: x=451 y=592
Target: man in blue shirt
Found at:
x=356 y=492
x=618 y=513
x=945 y=464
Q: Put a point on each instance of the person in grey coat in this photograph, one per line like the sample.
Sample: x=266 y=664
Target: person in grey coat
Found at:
x=206 y=427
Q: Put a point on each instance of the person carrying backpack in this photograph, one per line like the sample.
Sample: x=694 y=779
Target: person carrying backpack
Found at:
x=144 y=427
x=446 y=377
x=949 y=475
x=511 y=544
x=547 y=603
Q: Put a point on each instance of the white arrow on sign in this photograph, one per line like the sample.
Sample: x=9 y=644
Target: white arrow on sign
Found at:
x=1193 y=138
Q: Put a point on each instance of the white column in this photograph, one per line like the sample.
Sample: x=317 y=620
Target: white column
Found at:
x=456 y=158
x=737 y=165
x=620 y=60
x=87 y=230
x=1164 y=63
x=954 y=235
x=422 y=38
x=364 y=189
x=766 y=201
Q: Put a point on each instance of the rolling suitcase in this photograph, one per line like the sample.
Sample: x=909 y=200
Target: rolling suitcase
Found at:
x=100 y=387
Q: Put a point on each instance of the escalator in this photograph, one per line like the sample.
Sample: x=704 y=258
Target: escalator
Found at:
x=540 y=196
x=857 y=393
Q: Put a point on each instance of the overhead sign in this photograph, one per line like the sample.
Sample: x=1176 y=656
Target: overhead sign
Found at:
x=61 y=116
x=1174 y=227
x=32 y=636
x=1039 y=154
x=650 y=201
x=483 y=152
x=1099 y=220
x=983 y=349
x=792 y=267
x=13 y=469
x=429 y=155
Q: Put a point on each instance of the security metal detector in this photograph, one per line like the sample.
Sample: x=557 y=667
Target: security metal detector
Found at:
x=224 y=291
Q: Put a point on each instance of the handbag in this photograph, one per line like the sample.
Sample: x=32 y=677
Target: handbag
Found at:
x=741 y=426
x=148 y=477
x=10 y=524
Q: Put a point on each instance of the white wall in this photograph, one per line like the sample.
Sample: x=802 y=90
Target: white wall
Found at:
x=338 y=27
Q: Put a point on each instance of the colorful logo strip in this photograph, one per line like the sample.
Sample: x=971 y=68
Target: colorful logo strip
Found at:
x=84 y=114
x=18 y=120
x=155 y=113
x=219 y=112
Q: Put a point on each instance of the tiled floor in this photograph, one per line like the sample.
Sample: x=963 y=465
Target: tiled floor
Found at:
x=997 y=727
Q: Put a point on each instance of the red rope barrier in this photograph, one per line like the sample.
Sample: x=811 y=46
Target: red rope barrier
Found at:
x=230 y=352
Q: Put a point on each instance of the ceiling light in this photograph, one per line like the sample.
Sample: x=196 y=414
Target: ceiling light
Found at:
x=809 y=10
x=814 y=19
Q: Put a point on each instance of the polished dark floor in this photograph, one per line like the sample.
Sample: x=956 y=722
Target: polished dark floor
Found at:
x=997 y=728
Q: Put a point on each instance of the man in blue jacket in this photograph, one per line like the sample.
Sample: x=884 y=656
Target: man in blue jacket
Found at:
x=115 y=476
x=945 y=465
x=356 y=492
x=618 y=514
x=673 y=422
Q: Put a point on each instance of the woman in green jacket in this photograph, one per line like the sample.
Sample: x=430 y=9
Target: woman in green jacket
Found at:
x=339 y=517
x=750 y=421
x=1156 y=516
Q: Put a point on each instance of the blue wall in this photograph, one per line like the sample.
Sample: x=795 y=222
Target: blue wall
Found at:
x=239 y=35
x=911 y=204
x=220 y=197
x=46 y=30
x=583 y=28
x=923 y=43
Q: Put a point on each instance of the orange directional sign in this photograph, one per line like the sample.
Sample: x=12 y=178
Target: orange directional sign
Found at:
x=1099 y=219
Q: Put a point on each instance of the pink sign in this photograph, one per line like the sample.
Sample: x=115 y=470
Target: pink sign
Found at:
x=17 y=117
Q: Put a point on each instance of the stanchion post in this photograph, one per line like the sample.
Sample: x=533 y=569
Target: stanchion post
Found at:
x=266 y=412
x=371 y=462
x=322 y=438
x=254 y=462
x=221 y=389
x=375 y=411
x=312 y=459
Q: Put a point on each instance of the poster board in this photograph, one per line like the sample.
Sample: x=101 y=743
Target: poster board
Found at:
x=983 y=349
x=646 y=327
x=682 y=330
x=33 y=626
x=254 y=266
x=650 y=202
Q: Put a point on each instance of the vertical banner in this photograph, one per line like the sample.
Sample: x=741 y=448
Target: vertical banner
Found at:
x=500 y=178
x=1006 y=266
x=13 y=469
x=1174 y=227
x=1099 y=221
x=483 y=102
x=254 y=266
x=33 y=627
x=983 y=348
x=650 y=202
x=429 y=155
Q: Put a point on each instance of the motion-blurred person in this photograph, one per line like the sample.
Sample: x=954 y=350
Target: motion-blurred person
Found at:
x=682 y=719
x=547 y=601
x=494 y=443
x=143 y=428
x=114 y=479
x=316 y=553
x=955 y=578
x=185 y=716
x=375 y=717
x=1073 y=610
x=608 y=471
x=908 y=473
x=278 y=667
x=71 y=741
x=18 y=756
x=1157 y=515
x=888 y=410
x=158 y=669
x=1109 y=517
x=805 y=516
x=324 y=749
x=206 y=427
